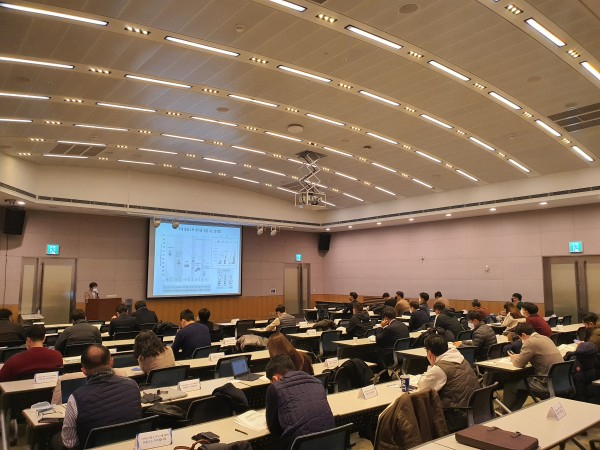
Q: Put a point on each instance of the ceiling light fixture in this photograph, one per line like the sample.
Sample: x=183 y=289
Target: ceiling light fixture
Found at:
x=422 y=183
x=181 y=137
x=290 y=5
x=130 y=108
x=206 y=119
x=102 y=71
x=345 y=86
x=7 y=119
x=73 y=100
x=545 y=32
x=425 y=155
x=154 y=80
x=99 y=127
x=346 y=176
x=353 y=196
x=246 y=179
x=373 y=37
x=448 y=70
x=326 y=18
x=286 y=190
x=483 y=144
x=492 y=209
x=91 y=144
x=272 y=171
x=581 y=153
x=260 y=230
x=349 y=226
x=328 y=204
x=573 y=53
x=382 y=138
x=304 y=74
x=381 y=166
x=547 y=128
x=52 y=155
x=448 y=215
x=246 y=149
x=466 y=175
x=28 y=96
x=195 y=170
x=513 y=9
x=591 y=69
x=36 y=63
x=201 y=46
x=219 y=161
x=411 y=219
x=543 y=203
x=378 y=223
x=274 y=231
x=377 y=97
x=46 y=12
x=439 y=122
x=252 y=100
x=339 y=152
x=156 y=151
x=137 y=30
x=136 y=162
x=519 y=165
x=323 y=119
x=295 y=161
x=283 y=136
x=385 y=190
x=259 y=60
x=504 y=100
x=415 y=54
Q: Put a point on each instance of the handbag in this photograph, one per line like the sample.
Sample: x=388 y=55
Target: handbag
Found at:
x=494 y=438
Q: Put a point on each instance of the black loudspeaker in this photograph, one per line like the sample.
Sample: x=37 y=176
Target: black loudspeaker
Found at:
x=324 y=239
x=14 y=220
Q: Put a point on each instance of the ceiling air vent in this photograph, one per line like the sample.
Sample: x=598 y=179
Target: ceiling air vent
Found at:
x=77 y=150
x=578 y=119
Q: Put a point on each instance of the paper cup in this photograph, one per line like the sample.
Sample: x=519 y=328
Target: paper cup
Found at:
x=404 y=383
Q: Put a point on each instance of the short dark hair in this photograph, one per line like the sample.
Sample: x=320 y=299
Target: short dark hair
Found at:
x=36 y=333
x=524 y=328
x=186 y=315
x=436 y=344
x=77 y=314
x=95 y=357
x=475 y=303
x=385 y=294
x=140 y=304
x=354 y=295
x=93 y=284
x=5 y=313
x=400 y=294
x=358 y=306
x=531 y=308
x=279 y=365
x=424 y=296
x=388 y=313
x=518 y=296
x=203 y=315
x=280 y=308
x=147 y=344
x=439 y=306
x=121 y=308
x=590 y=318
x=414 y=304
x=474 y=315
x=438 y=294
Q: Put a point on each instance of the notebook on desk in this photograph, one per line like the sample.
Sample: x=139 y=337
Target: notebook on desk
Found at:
x=241 y=371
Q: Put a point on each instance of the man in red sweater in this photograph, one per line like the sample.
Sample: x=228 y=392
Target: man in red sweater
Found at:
x=529 y=311
x=35 y=359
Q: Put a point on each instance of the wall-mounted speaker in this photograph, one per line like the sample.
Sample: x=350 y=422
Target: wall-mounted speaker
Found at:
x=324 y=240
x=14 y=221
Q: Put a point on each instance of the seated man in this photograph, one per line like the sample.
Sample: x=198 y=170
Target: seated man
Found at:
x=418 y=317
x=444 y=318
x=530 y=312
x=106 y=399
x=485 y=313
x=389 y=301
x=10 y=331
x=423 y=298
x=143 y=314
x=451 y=376
x=359 y=323
x=203 y=318
x=191 y=336
x=36 y=358
x=391 y=329
x=483 y=336
x=80 y=332
x=440 y=298
x=352 y=297
x=123 y=322
x=283 y=319
x=538 y=350
x=591 y=331
x=402 y=306
x=296 y=403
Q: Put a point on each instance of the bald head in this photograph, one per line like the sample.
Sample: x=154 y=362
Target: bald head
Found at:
x=95 y=358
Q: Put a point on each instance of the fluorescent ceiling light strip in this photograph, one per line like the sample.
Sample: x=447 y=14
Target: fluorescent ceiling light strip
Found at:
x=252 y=100
x=425 y=155
x=345 y=176
x=131 y=108
x=376 y=136
x=272 y=171
x=65 y=156
x=545 y=32
x=153 y=80
x=286 y=190
x=6 y=119
x=377 y=97
x=246 y=149
x=518 y=165
x=91 y=144
x=304 y=74
x=246 y=179
x=328 y=203
x=295 y=161
x=547 y=128
x=384 y=190
x=136 y=162
x=201 y=46
x=283 y=136
x=33 y=97
x=98 y=127
x=36 y=63
x=156 y=151
x=181 y=137
x=195 y=170
x=504 y=100
x=583 y=154
x=289 y=5
x=373 y=37
x=483 y=144
x=591 y=69
x=352 y=196
x=381 y=166
x=339 y=152
x=323 y=119
x=422 y=183
x=466 y=175
x=46 y=12
x=448 y=70
x=439 y=122
x=206 y=119
x=219 y=161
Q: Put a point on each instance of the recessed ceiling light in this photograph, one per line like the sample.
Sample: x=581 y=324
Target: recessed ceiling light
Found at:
x=181 y=137
x=173 y=113
x=219 y=161
x=448 y=70
x=20 y=202
x=381 y=166
x=345 y=176
x=466 y=175
x=33 y=97
x=136 y=162
x=415 y=54
x=448 y=215
x=323 y=119
x=201 y=46
x=527 y=114
x=246 y=149
x=156 y=151
x=326 y=18
x=195 y=170
x=272 y=171
x=373 y=37
x=327 y=229
x=581 y=153
x=304 y=74
x=91 y=144
x=547 y=128
x=513 y=9
x=131 y=108
x=252 y=100
x=378 y=223
x=492 y=209
x=483 y=144
x=573 y=53
x=97 y=70
x=290 y=5
x=154 y=80
x=518 y=165
x=439 y=122
x=295 y=161
x=384 y=190
x=479 y=85
x=137 y=30
x=345 y=86
x=545 y=32
x=52 y=155
x=591 y=69
x=411 y=219
x=339 y=152
x=543 y=203
x=377 y=97
x=349 y=226
x=425 y=155
x=98 y=127
x=422 y=183
x=246 y=179
x=382 y=138
x=259 y=60
x=283 y=136
x=37 y=139
x=73 y=100
x=504 y=100
x=220 y=122
x=46 y=12
x=7 y=119
x=36 y=63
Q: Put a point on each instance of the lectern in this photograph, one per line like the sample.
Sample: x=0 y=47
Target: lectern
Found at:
x=101 y=308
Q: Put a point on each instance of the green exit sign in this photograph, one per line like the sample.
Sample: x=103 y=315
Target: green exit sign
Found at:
x=576 y=247
x=298 y=257
x=52 y=249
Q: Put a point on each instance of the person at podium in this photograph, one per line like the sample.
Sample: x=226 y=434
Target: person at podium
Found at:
x=92 y=293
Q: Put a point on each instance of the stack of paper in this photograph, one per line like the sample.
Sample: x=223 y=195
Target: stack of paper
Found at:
x=255 y=420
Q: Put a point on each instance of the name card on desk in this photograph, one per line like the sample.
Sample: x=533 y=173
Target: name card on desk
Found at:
x=303 y=324
x=189 y=385
x=234 y=321
x=229 y=341
x=556 y=412
x=368 y=392
x=153 y=439
x=215 y=356
x=46 y=377
x=112 y=350
x=311 y=331
x=331 y=363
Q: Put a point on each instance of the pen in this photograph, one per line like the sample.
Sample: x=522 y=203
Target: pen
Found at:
x=240 y=431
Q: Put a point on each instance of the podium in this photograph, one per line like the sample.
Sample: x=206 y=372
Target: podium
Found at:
x=101 y=308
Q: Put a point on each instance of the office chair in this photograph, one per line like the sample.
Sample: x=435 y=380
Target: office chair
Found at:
x=111 y=434
x=76 y=349
x=124 y=359
x=334 y=439
x=223 y=368
x=209 y=408
x=242 y=326
x=168 y=376
x=552 y=321
x=203 y=352
x=465 y=335
x=67 y=387
x=326 y=346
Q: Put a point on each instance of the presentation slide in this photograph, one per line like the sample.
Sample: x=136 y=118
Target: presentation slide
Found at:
x=194 y=260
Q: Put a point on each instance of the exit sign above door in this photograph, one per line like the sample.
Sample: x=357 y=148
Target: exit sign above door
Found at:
x=576 y=247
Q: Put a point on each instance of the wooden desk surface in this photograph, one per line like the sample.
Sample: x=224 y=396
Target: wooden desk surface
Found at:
x=355 y=342
x=567 y=328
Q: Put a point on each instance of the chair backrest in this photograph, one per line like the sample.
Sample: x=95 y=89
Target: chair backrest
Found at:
x=168 y=331
x=8 y=352
x=216 y=335
x=119 y=432
x=468 y=353
x=209 y=408
x=552 y=321
x=400 y=344
x=464 y=323
x=560 y=379
x=495 y=350
x=147 y=326
x=566 y=320
x=498 y=329
x=67 y=387
x=554 y=337
x=287 y=330
x=242 y=326
x=104 y=328
x=465 y=335
x=203 y=352
x=481 y=404
x=326 y=339
x=124 y=359
x=76 y=349
x=224 y=369
x=334 y=439
x=343 y=323
x=168 y=376
x=370 y=332
x=342 y=380
x=121 y=335
x=12 y=343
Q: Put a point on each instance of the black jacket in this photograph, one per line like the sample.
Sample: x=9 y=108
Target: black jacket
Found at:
x=144 y=315
x=79 y=333
x=448 y=322
x=123 y=323
x=417 y=320
x=11 y=332
x=359 y=324
x=387 y=337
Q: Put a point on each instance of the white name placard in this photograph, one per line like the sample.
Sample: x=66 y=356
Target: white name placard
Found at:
x=234 y=321
x=189 y=385
x=368 y=392
x=303 y=324
x=112 y=350
x=311 y=331
x=331 y=363
x=46 y=377
x=229 y=341
x=556 y=412
x=153 y=439
x=215 y=356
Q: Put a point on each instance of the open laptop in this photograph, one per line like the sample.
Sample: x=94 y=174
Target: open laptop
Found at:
x=240 y=370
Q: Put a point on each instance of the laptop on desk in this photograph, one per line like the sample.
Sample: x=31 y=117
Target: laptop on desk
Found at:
x=240 y=370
